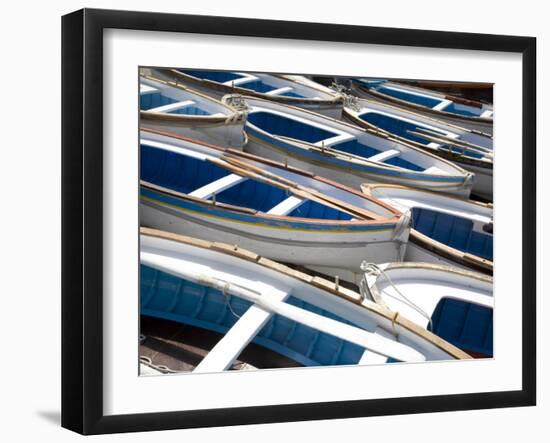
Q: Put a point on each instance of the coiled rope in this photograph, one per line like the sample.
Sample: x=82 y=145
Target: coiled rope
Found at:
x=372 y=269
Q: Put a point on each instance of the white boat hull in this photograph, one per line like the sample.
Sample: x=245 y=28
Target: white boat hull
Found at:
x=336 y=252
x=346 y=176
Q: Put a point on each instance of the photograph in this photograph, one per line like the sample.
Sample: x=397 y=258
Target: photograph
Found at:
x=293 y=220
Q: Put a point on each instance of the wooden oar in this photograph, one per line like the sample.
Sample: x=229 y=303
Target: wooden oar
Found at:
x=437 y=137
x=305 y=192
x=198 y=200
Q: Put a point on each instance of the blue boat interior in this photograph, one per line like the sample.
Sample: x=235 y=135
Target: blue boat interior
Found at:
x=454 y=231
x=466 y=325
x=423 y=100
x=401 y=128
x=468 y=111
x=186 y=174
x=396 y=126
x=165 y=296
x=258 y=86
x=189 y=110
x=292 y=94
x=263 y=87
x=152 y=100
x=215 y=76
x=458 y=150
x=287 y=127
x=401 y=94
x=175 y=171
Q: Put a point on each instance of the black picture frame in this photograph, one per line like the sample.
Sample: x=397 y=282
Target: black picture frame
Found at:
x=82 y=234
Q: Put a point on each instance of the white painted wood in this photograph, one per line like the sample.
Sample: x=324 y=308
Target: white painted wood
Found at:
x=384 y=155
x=441 y=105
x=433 y=170
x=279 y=90
x=487 y=113
x=172 y=106
x=238 y=81
x=226 y=351
x=372 y=358
x=286 y=206
x=217 y=186
x=146 y=89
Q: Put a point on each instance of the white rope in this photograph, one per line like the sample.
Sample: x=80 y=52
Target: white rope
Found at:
x=143 y=359
x=227 y=296
x=375 y=270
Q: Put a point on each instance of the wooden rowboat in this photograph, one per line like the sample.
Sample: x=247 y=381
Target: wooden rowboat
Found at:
x=252 y=299
x=284 y=213
x=174 y=107
x=292 y=90
x=467 y=113
x=470 y=150
x=344 y=152
x=482 y=92
x=448 y=230
x=455 y=305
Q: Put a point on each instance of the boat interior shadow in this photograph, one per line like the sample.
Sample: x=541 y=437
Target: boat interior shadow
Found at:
x=182 y=347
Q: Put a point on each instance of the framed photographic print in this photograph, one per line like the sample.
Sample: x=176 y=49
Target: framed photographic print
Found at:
x=271 y=221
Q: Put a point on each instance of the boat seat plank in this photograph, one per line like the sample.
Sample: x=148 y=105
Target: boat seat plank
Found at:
x=226 y=351
x=217 y=186
x=434 y=170
x=279 y=90
x=384 y=155
x=239 y=81
x=442 y=105
x=286 y=206
x=172 y=106
x=146 y=89
x=372 y=358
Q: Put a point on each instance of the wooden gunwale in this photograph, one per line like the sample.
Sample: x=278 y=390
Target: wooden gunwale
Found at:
x=316 y=281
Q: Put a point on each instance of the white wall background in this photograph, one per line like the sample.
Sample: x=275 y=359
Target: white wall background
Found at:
x=30 y=218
